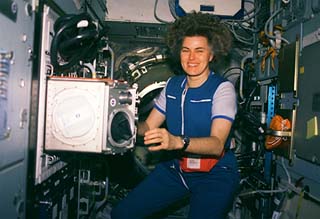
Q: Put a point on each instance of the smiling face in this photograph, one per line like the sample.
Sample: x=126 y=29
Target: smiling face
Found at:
x=195 y=56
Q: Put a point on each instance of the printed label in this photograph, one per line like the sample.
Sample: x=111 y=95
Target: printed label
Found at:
x=193 y=163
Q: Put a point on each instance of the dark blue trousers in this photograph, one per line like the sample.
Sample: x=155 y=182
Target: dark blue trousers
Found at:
x=211 y=194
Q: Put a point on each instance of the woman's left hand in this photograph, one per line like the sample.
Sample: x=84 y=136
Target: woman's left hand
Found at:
x=161 y=139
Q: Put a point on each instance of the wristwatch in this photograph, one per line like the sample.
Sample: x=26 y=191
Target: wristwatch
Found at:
x=186 y=142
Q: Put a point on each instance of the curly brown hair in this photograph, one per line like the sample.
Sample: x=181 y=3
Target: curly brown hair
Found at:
x=199 y=24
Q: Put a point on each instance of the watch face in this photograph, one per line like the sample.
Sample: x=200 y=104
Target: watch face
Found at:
x=186 y=141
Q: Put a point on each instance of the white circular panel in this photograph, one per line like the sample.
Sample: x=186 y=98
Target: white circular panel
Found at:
x=74 y=116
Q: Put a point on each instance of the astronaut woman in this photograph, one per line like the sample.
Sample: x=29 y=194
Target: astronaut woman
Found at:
x=198 y=107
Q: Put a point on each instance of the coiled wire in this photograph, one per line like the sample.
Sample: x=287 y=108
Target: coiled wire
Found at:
x=76 y=39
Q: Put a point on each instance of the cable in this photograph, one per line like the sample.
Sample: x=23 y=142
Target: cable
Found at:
x=76 y=39
x=286 y=170
x=267 y=25
x=263 y=191
x=245 y=25
x=112 y=61
x=239 y=38
x=232 y=68
x=139 y=52
x=255 y=10
x=232 y=74
x=156 y=16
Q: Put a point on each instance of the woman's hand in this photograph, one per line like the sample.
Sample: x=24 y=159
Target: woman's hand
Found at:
x=161 y=139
